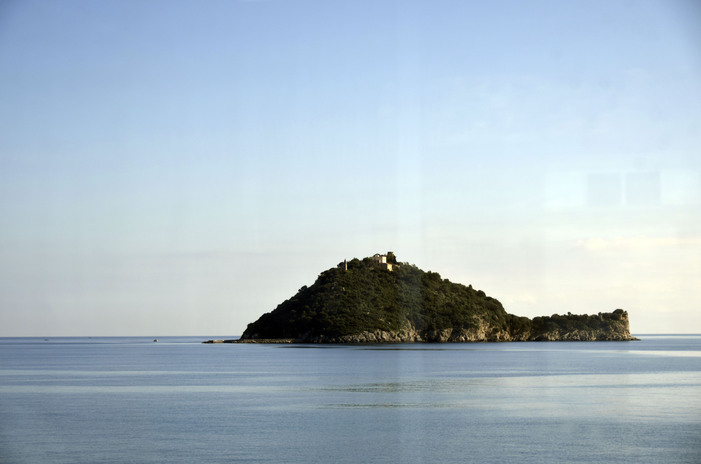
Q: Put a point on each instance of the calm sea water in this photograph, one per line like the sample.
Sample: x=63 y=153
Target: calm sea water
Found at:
x=129 y=400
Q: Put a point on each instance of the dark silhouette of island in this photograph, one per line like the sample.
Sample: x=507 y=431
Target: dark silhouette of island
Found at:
x=378 y=300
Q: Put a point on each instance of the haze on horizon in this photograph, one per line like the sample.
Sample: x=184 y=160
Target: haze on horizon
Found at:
x=181 y=167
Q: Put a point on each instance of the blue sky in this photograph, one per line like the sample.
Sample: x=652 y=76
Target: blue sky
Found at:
x=183 y=167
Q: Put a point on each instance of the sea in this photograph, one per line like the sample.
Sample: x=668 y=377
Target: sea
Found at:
x=133 y=400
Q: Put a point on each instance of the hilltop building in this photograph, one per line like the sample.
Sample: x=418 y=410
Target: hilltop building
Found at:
x=388 y=261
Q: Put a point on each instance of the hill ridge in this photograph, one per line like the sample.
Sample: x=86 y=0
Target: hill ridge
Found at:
x=378 y=300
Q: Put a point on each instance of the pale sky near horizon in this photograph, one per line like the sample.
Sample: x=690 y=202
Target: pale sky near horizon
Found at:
x=181 y=167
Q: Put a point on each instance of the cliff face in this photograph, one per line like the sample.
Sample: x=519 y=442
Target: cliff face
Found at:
x=601 y=327
x=359 y=302
x=616 y=330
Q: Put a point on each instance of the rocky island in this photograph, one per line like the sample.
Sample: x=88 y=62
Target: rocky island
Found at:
x=378 y=300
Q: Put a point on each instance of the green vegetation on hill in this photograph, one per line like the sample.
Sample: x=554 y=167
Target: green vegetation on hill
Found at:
x=366 y=298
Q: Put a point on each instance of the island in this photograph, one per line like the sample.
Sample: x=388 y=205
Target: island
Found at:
x=379 y=300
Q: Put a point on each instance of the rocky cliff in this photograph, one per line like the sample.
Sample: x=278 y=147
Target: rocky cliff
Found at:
x=615 y=327
x=360 y=302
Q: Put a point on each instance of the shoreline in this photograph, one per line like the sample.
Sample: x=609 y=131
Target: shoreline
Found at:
x=279 y=341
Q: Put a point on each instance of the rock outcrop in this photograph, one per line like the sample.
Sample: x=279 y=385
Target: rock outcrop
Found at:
x=561 y=329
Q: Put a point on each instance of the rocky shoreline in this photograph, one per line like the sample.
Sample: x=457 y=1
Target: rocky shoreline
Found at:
x=410 y=335
x=389 y=339
x=555 y=328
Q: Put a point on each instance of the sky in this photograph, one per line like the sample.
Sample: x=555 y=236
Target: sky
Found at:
x=182 y=167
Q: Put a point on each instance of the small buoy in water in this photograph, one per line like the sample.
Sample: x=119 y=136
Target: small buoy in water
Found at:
x=155 y=340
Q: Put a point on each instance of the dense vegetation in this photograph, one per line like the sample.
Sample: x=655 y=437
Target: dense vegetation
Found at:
x=367 y=298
